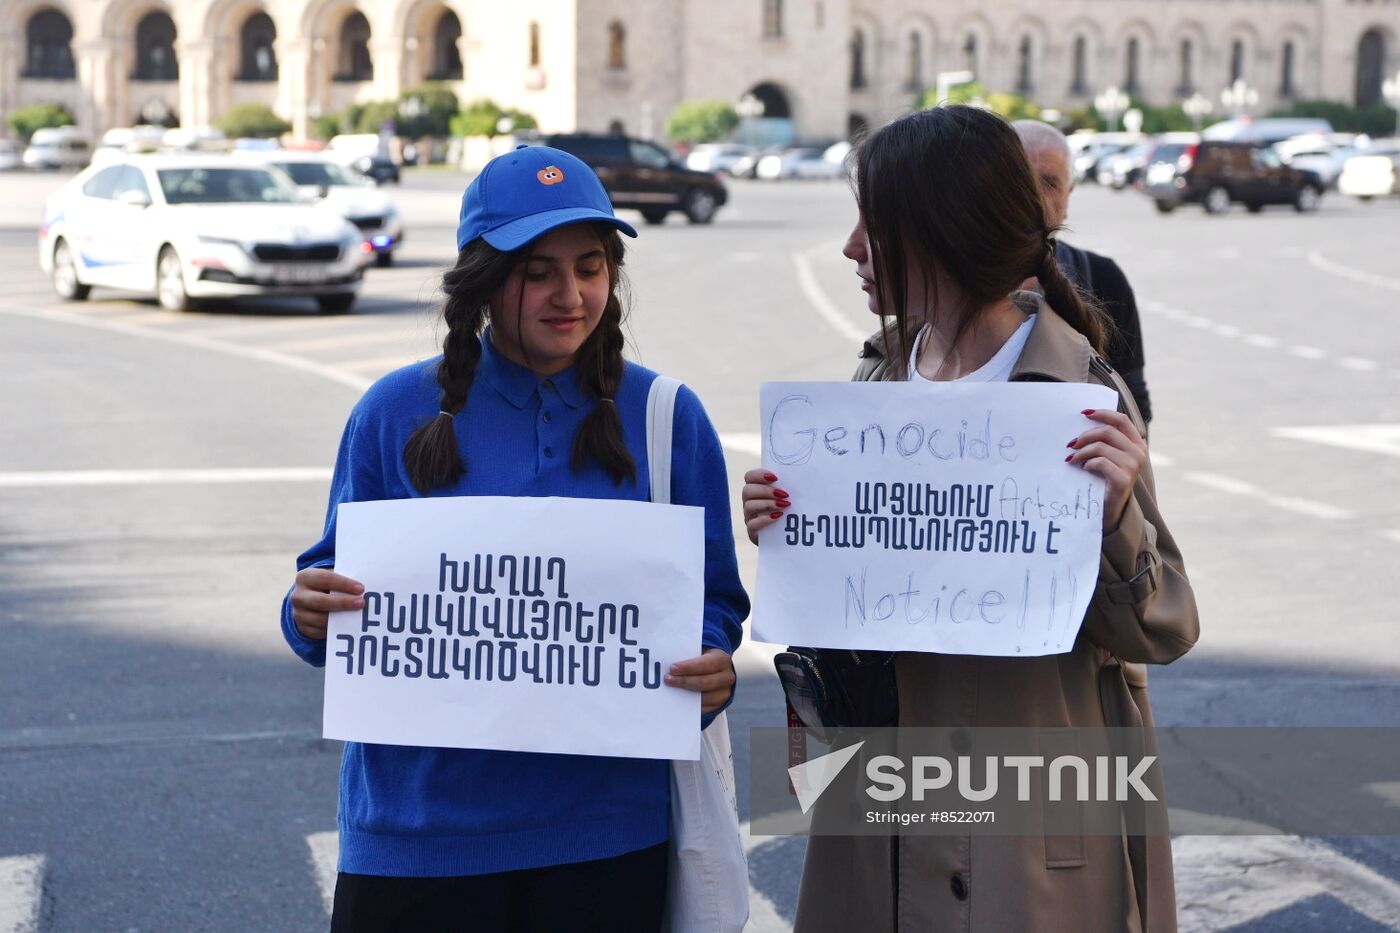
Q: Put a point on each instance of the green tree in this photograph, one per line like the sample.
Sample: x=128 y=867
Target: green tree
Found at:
x=483 y=118
x=701 y=121
x=371 y=117
x=437 y=105
x=256 y=121
x=1013 y=106
x=325 y=126
x=26 y=120
x=970 y=92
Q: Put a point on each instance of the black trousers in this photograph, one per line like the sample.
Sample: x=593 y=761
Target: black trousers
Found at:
x=625 y=894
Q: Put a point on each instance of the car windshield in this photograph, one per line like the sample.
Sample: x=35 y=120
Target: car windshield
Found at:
x=324 y=174
x=222 y=186
x=1168 y=152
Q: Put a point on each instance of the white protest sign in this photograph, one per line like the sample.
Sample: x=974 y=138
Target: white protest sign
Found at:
x=939 y=518
x=520 y=624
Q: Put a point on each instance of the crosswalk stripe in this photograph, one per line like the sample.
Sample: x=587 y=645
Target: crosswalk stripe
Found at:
x=21 y=893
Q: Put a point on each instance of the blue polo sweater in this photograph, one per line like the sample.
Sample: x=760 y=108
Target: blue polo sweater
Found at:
x=440 y=812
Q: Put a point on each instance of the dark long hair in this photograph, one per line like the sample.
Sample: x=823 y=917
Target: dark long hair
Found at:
x=432 y=455
x=951 y=190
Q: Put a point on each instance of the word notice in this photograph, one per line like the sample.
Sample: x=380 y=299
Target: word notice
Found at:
x=939 y=518
x=518 y=624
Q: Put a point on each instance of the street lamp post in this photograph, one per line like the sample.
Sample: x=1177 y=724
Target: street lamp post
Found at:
x=945 y=81
x=1197 y=107
x=1390 y=88
x=748 y=108
x=1239 y=98
x=1111 y=104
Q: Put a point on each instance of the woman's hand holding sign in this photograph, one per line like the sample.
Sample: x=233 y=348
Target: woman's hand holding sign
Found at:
x=1114 y=451
x=764 y=502
x=320 y=591
x=711 y=675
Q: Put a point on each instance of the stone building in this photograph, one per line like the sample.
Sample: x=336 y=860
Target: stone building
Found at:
x=824 y=65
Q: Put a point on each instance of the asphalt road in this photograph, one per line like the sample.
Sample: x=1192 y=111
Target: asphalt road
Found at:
x=160 y=765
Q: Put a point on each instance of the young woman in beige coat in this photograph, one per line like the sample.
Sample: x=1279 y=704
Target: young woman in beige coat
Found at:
x=950 y=223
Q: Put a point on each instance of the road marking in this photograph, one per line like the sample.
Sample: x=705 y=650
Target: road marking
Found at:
x=1391 y=536
x=1359 y=364
x=325 y=852
x=311 y=367
x=1308 y=353
x=1237 y=487
x=1319 y=261
x=1371 y=438
x=43 y=478
x=1262 y=341
x=823 y=305
x=1228 y=330
x=21 y=893
x=1227 y=881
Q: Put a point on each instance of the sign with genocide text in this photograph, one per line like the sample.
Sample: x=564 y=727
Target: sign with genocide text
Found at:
x=938 y=518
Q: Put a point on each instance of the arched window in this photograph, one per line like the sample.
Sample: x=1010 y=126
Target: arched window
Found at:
x=49 y=46
x=534 y=45
x=1080 y=83
x=1132 y=78
x=1023 y=66
x=1370 y=68
x=1288 y=86
x=970 y=53
x=155 y=49
x=915 y=78
x=353 y=61
x=617 y=46
x=772 y=19
x=858 y=79
x=257 y=57
x=1187 y=87
x=1236 y=61
x=447 y=55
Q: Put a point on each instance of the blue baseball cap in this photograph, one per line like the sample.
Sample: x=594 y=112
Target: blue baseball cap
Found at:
x=524 y=194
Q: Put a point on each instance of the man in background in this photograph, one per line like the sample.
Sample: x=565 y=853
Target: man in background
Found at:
x=1096 y=275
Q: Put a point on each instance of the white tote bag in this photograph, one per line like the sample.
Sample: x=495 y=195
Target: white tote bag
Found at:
x=707 y=888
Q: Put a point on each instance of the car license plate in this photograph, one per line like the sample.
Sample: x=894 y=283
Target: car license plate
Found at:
x=299 y=275
x=1160 y=173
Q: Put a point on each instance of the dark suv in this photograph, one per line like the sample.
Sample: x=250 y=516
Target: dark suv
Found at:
x=1215 y=173
x=643 y=176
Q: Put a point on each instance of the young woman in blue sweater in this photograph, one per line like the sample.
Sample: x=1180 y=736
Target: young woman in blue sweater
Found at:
x=531 y=397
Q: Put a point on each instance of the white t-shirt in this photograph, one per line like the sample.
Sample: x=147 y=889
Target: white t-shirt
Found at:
x=997 y=369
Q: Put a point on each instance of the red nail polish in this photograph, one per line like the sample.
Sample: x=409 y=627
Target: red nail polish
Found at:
x=770 y=477
x=779 y=493
x=1073 y=443
x=775 y=515
x=1069 y=458
x=784 y=504
x=1087 y=411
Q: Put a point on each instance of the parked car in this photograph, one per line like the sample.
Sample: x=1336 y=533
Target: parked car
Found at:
x=642 y=176
x=1324 y=155
x=9 y=155
x=718 y=157
x=192 y=227
x=379 y=169
x=747 y=166
x=779 y=165
x=1122 y=169
x=366 y=153
x=127 y=140
x=195 y=139
x=1088 y=150
x=1216 y=173
x=354 y=197
x=1265 y=130
x=1374 y=173
x=57 y=147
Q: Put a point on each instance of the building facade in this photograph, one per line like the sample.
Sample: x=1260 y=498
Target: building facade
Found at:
x=825 y=65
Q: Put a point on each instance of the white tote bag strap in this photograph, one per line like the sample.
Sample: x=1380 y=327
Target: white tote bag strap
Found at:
x=661 y=419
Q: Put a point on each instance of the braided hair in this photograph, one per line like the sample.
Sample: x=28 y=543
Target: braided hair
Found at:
x=432 y=454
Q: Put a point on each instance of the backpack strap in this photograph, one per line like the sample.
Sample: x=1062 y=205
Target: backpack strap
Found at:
x=661 y=419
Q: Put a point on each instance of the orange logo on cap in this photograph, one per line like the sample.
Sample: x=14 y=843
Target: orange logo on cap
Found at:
x=550 y=175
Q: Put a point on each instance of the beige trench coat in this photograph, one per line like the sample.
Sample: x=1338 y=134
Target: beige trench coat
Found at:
x=1142 y=612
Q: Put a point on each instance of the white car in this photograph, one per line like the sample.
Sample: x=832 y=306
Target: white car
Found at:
x=344 y=191
x=719 y=157
x=192 y=227
x=1375 y=173
x=57 y=147
x=9 y=155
